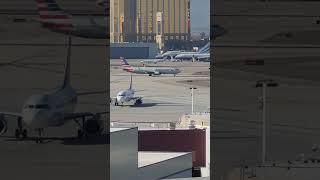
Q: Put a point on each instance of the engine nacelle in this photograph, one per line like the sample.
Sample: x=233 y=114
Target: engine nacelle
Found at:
x=94 y=125
x=3 y=125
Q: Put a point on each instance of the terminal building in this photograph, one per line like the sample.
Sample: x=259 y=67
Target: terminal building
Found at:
x=166 y=22
x=133 y=50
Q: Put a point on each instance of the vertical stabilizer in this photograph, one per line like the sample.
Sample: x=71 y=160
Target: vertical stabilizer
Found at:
x=66 y=80
x=52 y=16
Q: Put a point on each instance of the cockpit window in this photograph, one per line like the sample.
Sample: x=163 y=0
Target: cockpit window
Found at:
x=42 y=106
x=29 y=106
x=37 y=106
x=122 y=94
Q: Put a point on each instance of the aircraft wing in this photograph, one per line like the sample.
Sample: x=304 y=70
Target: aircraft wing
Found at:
x=14 y=114
x=135 y=98
x=83 y=115
x=151 y=71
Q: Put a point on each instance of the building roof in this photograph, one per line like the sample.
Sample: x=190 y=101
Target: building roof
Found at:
x=146 y=158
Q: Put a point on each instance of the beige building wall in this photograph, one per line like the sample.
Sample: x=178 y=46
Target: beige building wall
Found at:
x=136 y=20
x=122 y=20
x=175 y=14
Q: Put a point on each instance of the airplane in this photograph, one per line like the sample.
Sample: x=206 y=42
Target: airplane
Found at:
x=151 y=61
x=127 y=96
x=52 y=17
x=216 y=31
x=53 y=109
x=200 y=54
x=168 y=55
x=148 y=70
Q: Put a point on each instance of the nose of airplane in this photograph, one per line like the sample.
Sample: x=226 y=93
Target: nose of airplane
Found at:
x=119 y=99
x=36 y=119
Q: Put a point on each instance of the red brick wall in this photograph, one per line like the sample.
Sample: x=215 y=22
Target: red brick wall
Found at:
x=189 y=140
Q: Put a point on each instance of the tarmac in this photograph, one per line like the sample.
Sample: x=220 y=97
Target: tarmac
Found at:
x=165 y=97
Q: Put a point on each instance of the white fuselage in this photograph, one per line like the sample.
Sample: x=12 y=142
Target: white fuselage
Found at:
x=125 y=96
x=49 y=109
x=170 y=54
x=192 y=55
x=153 y=70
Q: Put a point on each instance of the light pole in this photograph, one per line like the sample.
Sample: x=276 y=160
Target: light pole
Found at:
x=192 y=98
x=264 y=84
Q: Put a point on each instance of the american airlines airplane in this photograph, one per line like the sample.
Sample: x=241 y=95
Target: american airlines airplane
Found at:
x=127 y=96
x=52 y=17
x=148 y=70
x=53 y=109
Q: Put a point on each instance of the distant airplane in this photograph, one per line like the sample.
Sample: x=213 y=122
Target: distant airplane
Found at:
x=53 y=109
x=148 y=70
x=215 y=30
x=168 y=55
x=127 y=96
x=198 y=55
x=151 y=61
x=52 y=17
x=204 y=57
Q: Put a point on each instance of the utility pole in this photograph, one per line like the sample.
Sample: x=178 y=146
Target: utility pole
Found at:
x=264 y=84
x=192 y=99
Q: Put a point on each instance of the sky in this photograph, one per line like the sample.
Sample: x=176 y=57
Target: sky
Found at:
x=200 y=16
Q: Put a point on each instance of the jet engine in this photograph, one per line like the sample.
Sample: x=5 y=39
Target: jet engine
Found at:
x=94 y=125
x=3 y=124
x=138 y=102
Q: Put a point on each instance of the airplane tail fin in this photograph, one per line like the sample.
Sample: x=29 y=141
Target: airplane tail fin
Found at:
x=125 y=65
x=66 y=80
x=124 y=62
x=52 y=16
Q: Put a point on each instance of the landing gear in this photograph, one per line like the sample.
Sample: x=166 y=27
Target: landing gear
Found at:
x=24 y=133
x=39 y=138
x=20 y=132
x=17 y=134
x=82 y=131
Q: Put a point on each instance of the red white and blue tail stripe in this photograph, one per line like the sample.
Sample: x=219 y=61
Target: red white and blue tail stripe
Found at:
x=125 y=65
x=52 y=16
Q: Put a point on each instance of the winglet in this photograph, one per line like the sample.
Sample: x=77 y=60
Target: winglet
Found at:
x=66 y=80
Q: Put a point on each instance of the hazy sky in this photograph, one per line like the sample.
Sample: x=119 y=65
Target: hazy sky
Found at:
x=200 y=16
